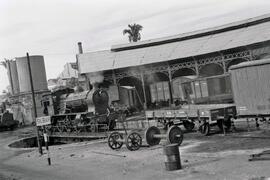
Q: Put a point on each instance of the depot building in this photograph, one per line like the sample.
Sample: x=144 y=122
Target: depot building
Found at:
x=154 y=71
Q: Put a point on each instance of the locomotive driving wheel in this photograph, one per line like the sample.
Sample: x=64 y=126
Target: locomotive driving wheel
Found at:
x=114 y=140
x=133 y=141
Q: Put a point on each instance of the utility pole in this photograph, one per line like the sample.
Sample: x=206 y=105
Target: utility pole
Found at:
x=34 y=102
x=10 y=76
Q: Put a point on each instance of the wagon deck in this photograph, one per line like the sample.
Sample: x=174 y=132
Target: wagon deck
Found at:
x=205 y=115
x=186 y=112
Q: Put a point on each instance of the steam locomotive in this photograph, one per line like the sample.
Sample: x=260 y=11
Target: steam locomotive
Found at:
x=78 y=110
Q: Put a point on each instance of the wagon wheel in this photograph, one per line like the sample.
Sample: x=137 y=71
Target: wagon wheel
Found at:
x=77 y=129
x=60 y=128
x=133 y=141
x=189 y=126
x=65 y=128
x=149 y=134
x=92 y=125
x=114 y=140
x=54 y=129
x=227 y=124
x=205 y=129
x=69 y=129
x=175 y=135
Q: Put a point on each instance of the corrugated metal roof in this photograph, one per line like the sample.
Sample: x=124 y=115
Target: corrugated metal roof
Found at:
x=250 y=63
x=190 y=35
x=105 y=60
x=96 y=61
x=127 y=58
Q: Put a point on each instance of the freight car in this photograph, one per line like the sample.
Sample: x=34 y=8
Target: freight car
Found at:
x=206 y=115
x=251 y=88
x=209 y=90
x=79 y=111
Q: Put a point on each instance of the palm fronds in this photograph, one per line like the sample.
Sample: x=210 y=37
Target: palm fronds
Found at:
x=133 y=32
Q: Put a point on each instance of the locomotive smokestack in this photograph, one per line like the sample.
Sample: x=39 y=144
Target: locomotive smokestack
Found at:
x=80 y=48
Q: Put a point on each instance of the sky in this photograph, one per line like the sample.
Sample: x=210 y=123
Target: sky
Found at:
x=52 y=28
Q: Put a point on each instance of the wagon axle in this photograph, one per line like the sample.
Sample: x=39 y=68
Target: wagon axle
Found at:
x=153 y=135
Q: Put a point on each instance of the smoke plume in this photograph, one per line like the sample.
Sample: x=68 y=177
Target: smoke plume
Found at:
x=95 y=77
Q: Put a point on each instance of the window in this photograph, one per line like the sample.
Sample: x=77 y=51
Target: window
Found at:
x=153 y=91
x=188 y=90
x=197 y=89
x=160 y=91
x=166 y=90
x=204 y=88
x=219 y=85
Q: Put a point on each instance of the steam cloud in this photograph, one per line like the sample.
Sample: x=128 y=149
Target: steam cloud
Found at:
x=95 y=77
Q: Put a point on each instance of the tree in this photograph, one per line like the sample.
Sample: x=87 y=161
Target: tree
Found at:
x=4 y=63
x=133 y=32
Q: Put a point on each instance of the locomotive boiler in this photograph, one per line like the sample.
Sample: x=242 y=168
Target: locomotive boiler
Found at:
x=95 y=100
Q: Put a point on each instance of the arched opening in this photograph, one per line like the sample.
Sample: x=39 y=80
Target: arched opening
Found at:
x=180 y=76
x=158 y=88
x=234 y=62
x=156 y=77
x=183 y=72
x=262 y=56
x=211 y=70
x=131 y=92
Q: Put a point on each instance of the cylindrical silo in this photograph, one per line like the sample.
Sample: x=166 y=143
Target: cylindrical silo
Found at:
x=37 y=70
x=13 y=76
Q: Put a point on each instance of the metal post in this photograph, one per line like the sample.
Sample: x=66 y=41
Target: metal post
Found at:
x=34 y=102
x=114 y=77
x=223 y=62
x=196 y=66
x=46 y=139
x=10 y=75
x=170 y=85
x=144 y=94
x=139 y=97
x=224 y=66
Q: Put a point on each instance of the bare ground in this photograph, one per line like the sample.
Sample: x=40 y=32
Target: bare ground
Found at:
x=203 y=157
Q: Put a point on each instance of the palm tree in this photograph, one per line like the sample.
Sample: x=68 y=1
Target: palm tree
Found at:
x=4 y=63
x=133 y=32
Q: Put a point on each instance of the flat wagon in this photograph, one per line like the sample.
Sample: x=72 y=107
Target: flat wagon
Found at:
x=206 y=115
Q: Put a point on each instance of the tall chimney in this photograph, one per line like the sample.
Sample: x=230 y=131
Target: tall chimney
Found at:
x=80 y=48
